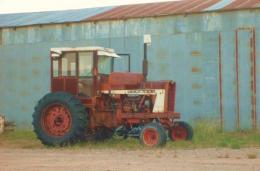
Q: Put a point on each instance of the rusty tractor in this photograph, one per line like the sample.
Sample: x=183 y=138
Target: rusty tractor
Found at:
x=88 y=99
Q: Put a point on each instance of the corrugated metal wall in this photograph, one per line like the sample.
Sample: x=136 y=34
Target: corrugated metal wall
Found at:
x=213 y=57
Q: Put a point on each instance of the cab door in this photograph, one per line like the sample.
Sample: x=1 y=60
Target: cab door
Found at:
x=64 y=73
x=85 y=75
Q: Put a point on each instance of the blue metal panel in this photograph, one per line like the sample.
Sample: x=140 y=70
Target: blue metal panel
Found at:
x=194 y=46
x=118 y=44
x=228 y=80
x=245 y=78
x=210 y=90
x=102 y=30
x=134 y=46
x=154 y=26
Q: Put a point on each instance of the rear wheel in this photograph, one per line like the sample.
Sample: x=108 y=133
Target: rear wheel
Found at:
x=153 y=135
x=181 y=131
x=59 y=119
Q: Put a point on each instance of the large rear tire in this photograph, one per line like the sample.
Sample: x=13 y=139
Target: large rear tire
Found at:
x=60 y=119
x=153 y=135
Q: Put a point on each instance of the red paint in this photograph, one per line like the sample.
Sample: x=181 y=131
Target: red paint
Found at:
x=56 y=120
x=179 y=133
x=68 y=84
x=150 y=137
x=123 y=80
x=220 y=80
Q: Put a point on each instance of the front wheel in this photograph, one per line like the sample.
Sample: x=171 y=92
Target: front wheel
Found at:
x=180 y=131
x=59 y=119
x=153 y=135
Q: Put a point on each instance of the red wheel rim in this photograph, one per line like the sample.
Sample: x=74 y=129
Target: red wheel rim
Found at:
x=56 y=120
x=179 y=133
x=150 y=137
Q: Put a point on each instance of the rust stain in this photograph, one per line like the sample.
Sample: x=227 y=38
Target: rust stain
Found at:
x=196 y=70
x=24 y=93
x=24 y=109
x=36 y=87
x=35 y=72
x=24 y=78
x=195 y=53
x=36 y=59
x=24 y=63
x=196 y=86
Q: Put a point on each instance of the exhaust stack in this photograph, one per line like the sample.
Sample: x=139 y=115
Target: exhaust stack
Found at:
x=147 y=42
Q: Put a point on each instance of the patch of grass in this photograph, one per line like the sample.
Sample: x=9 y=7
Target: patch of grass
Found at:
x=19 y=139
x=206 y=135
x=130 y=143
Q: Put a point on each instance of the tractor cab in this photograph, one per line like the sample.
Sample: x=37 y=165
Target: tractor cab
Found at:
x=79 y=70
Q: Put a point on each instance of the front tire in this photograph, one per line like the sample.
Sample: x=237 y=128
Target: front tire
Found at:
x=60 y=119
x=181 y=131
x=153 y=135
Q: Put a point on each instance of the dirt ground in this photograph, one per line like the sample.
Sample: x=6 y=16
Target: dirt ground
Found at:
x=122 y=160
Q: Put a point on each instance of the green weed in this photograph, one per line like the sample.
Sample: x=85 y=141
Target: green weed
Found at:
x=206 y=135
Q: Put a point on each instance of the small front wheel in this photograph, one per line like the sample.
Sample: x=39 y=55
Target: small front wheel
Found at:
x=180 y=131
x=153 y=135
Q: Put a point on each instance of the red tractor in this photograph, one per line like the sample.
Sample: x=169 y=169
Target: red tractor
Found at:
x=88 y=99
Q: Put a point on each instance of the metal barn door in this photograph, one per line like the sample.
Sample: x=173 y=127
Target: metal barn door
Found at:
x=245 y=79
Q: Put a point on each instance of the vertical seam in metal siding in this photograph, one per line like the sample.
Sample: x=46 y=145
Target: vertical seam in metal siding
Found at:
x=254 y=75
x=1 y=37
x=220 y=80
x=237 y=82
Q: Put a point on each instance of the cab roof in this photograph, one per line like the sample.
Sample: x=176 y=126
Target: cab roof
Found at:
x=56 y=52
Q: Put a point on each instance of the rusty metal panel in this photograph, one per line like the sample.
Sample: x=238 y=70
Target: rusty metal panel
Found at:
x=173 y=8
x=154 y=9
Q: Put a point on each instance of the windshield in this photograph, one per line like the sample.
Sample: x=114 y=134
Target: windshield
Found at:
x=85 y=64
x=104 y=64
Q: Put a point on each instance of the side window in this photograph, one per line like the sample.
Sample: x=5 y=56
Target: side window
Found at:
x=104 y=64
x=55 y=66
x=85 y=64
x=69 y=64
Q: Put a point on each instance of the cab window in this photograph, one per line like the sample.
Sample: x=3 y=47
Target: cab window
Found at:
x=55 y=66
x=69 y=64
x=85 y=64
x=104 y=64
